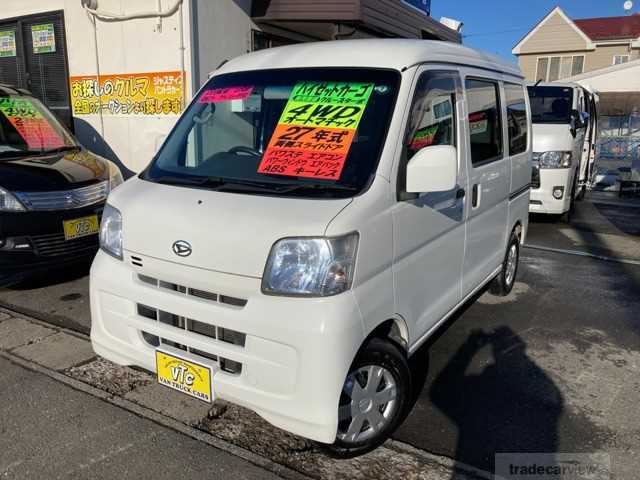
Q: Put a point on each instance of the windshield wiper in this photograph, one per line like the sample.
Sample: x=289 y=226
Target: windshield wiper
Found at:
x=317 y=186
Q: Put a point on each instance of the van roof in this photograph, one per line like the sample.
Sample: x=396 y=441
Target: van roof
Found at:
x=396 y=54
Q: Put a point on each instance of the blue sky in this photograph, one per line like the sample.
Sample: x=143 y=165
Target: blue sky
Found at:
x=497 y=25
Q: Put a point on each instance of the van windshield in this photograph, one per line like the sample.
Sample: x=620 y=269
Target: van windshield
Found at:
x=551 y=104
x=28 y=128
x=298 y=132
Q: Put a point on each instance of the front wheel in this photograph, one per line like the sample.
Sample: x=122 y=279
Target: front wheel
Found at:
x=374 y=399
x=503 y=283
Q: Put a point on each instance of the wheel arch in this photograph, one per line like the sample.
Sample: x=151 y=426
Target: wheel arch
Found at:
x=393 y=329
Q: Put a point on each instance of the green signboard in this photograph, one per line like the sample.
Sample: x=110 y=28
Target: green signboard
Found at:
x=8 y=43
x=44 y=38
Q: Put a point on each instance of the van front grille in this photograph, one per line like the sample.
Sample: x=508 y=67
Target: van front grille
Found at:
x=212 y=332
x=193 y=292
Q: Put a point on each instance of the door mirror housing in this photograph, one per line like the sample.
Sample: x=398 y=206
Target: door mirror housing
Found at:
x=433 y=169
x=578 y=120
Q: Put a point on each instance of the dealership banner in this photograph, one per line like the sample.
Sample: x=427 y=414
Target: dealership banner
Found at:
x=157 y=93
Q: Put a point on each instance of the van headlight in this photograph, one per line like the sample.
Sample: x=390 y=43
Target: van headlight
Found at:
x=111 y=232
x=553 y=159
x=115 y=176
x=313 y=267
x=9 y=203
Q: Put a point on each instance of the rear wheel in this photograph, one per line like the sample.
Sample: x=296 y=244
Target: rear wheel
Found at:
x=374 y=399
x=503 y=283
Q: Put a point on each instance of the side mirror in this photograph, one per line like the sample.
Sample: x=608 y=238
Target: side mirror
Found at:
x=433 y=169
x=577 y=119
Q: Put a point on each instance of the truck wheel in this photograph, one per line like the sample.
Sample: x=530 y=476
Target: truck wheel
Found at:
x=503 y=283
x=374 y=399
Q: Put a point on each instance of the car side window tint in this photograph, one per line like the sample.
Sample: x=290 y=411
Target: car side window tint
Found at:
x=432 y=119
x=516 y=118
x=485 y=120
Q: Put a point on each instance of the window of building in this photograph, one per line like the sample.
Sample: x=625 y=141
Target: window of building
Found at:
x=620 y=59
x=516 y=118
x=485 y=125
x=550 y=69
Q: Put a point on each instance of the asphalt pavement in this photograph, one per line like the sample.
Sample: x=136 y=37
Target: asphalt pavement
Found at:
x=49 y=430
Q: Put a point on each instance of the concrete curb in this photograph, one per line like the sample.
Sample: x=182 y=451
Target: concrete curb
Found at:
x=148 y=414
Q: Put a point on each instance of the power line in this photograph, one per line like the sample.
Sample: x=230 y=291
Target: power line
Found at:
x=498 y=32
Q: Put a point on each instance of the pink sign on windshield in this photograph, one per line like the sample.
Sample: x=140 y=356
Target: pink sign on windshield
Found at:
x=216 y=95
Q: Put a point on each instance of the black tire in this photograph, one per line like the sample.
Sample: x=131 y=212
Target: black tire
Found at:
x=379 y=353
x=503 y=283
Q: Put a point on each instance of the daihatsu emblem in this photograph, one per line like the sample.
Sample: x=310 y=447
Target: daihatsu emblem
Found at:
x=182 y=248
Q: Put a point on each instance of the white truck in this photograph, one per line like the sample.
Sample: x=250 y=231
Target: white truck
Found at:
x=565 y=125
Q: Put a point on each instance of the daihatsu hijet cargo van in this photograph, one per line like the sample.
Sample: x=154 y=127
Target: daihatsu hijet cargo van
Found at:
x=316 y=213
x=565 y=119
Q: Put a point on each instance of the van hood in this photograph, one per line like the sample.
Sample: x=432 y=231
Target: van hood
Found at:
x=552 y=137
x=228 y=232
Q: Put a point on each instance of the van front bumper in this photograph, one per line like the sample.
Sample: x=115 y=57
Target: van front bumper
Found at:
x=542 y=199
x=296 y=353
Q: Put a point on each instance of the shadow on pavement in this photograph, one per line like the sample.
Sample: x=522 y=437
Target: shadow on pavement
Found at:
x=511 y=405
x=48 y=279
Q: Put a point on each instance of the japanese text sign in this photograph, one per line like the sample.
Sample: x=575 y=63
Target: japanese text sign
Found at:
x=8 y=43
x=34 y=129
x=424 y=137
x=157 y=93
x=217 y=95
x=316 y=129
x=44 y=38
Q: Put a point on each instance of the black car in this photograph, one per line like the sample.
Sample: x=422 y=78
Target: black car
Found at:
x=52 y=191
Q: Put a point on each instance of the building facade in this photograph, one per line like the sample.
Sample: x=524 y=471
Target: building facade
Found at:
x=119 y=72
x=559 y=47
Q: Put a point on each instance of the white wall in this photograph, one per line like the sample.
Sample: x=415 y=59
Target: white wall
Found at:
x=134 y=46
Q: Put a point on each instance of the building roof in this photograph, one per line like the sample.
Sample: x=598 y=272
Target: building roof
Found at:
x=610 y=28
x=396 y=54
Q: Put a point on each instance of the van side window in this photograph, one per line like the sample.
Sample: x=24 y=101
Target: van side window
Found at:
x=432 y=118
x=485 y=123
x=516 y=118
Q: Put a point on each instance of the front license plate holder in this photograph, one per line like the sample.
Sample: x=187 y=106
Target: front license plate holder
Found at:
x=81 y=227
x=185 y=375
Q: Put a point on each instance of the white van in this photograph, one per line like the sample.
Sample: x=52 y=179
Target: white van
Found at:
x=316 y=213
x=565 y=120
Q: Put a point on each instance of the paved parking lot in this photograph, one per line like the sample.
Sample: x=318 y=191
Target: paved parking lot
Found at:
x=555 y=367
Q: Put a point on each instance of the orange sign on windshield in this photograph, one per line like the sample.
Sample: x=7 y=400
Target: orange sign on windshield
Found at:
x=316 y=130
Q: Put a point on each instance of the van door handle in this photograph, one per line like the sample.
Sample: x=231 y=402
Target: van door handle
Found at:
x=474 y=196
x=460 y=193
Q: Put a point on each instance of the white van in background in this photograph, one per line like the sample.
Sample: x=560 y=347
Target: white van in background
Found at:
x=315 y=215
x=565 y=120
